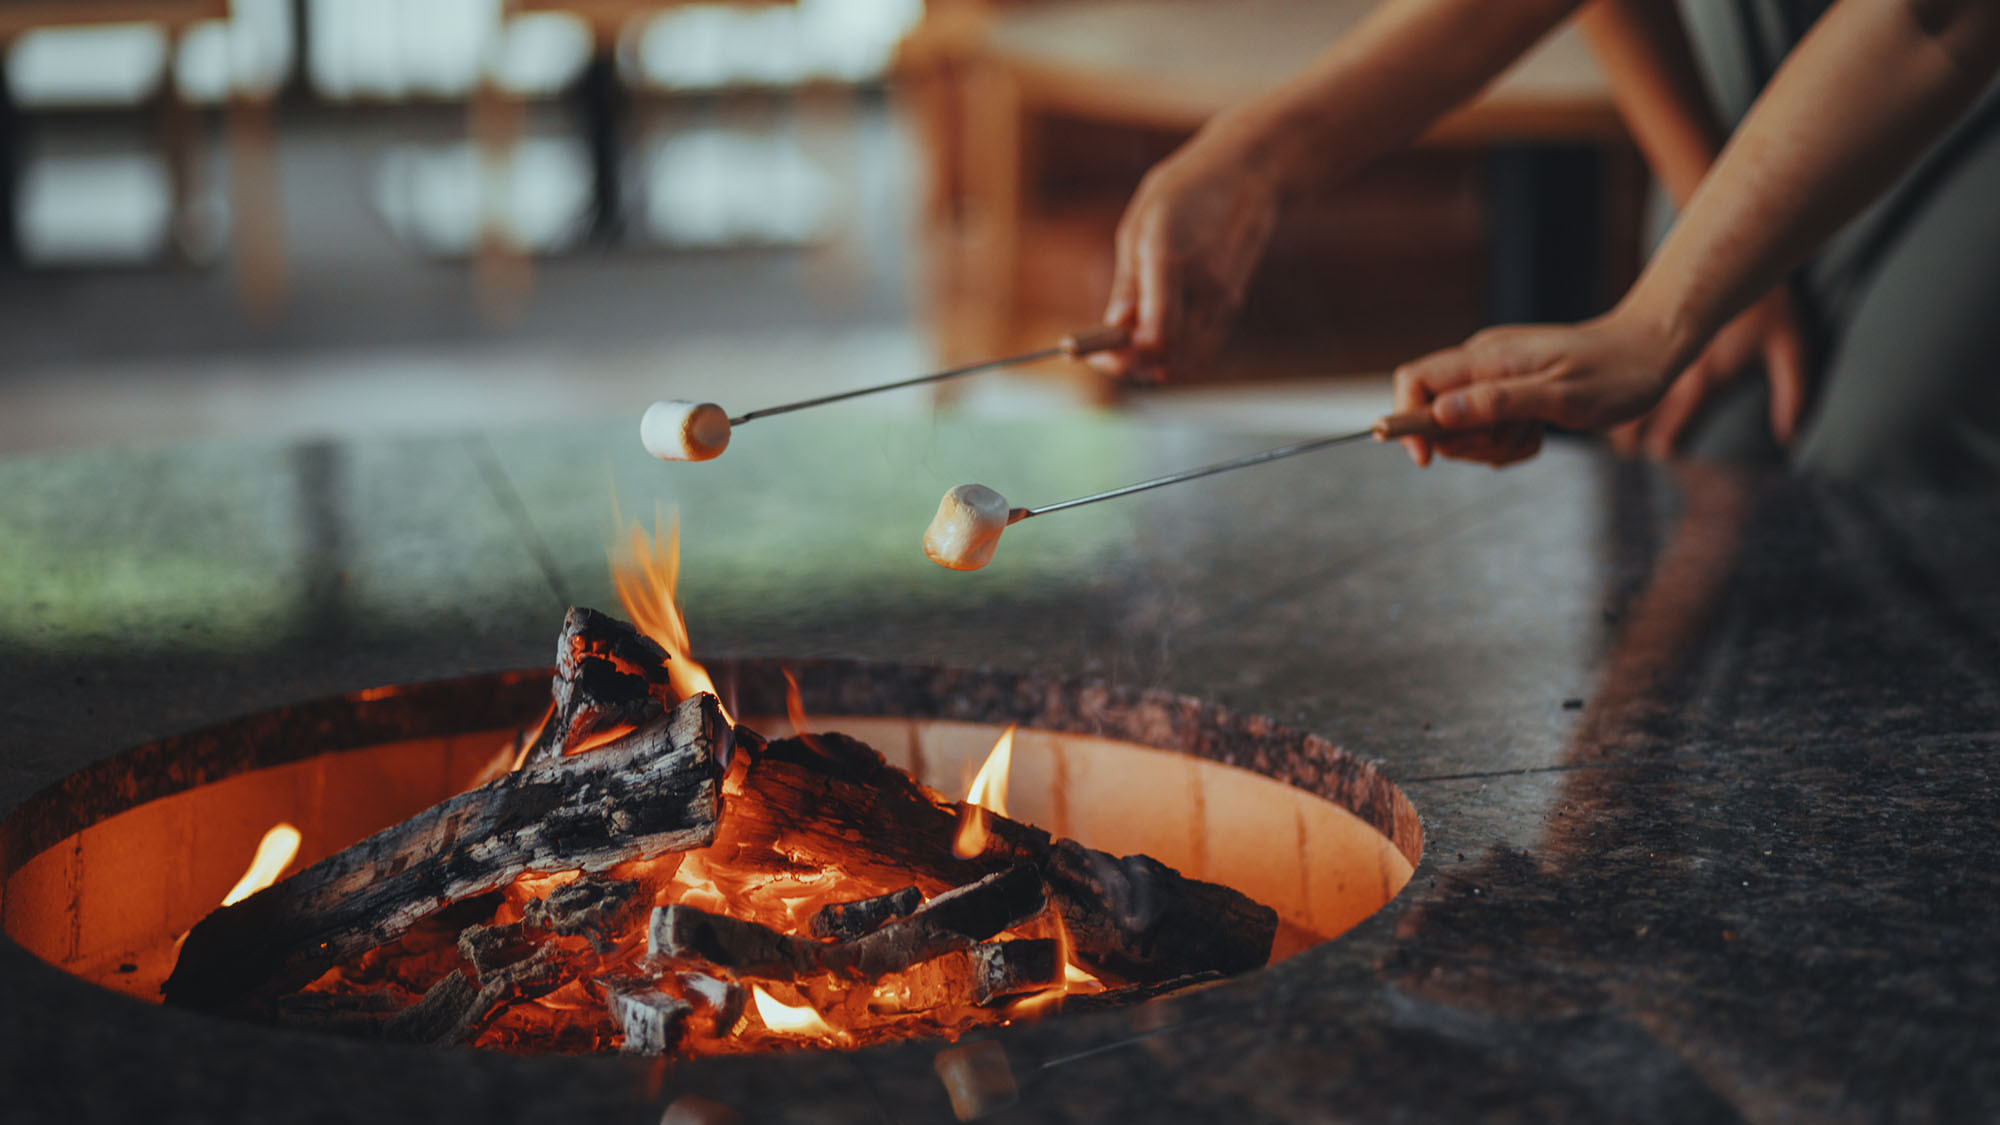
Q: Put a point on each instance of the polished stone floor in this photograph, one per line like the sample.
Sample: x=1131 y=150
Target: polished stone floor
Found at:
x=1704 y=763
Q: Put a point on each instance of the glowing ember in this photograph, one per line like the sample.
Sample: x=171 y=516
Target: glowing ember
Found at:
x=988 y=792
x=645 y=575
x=275 y=852
x=786 y=1018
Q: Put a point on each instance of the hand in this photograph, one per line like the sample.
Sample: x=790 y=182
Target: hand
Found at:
x=1768 y=332
x=1497 y=390
x=1187 y=245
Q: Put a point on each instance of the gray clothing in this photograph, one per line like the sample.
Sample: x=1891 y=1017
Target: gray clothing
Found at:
x=1902 y=306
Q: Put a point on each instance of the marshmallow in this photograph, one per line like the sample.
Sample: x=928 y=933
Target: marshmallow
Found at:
x=678 y=430
x=967 y=527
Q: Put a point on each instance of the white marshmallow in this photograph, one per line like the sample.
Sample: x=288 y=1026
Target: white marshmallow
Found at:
x=678 y=430
x=967 y=527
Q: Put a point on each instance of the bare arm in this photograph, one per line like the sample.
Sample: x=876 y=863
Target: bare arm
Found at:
x=1195 y=229
x=1643 y=47
x=1866 y=91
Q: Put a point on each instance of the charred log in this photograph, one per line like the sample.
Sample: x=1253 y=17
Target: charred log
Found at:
x=650 y=1022
x=1138 y=919
x=833 y=796
x=844 y=921
x=954 y=920
x=595 y=909
x=1002 y=970
x=656 y=790
x=685 y=932
x=607 y=673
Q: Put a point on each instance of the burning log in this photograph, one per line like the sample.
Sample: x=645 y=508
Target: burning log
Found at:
x=842 y=921
x=954 y=920
x=593 y=908
x=650 y=1021
x=607 y=674
x=454 y=1009
x=685 y=932
x=654 y=791
x=720 y=1000
x=1002 y=970
x=832 y=796
x=1136 y=918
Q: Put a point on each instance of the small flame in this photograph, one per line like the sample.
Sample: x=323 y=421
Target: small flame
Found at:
x=988 y=792
x=780 y=1016
x=275 y=852
x=795 y=711
x=645 y=574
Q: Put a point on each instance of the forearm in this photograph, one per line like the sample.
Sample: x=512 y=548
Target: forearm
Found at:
x=1861 y=97
x=1407 y=64
x=1643 y=49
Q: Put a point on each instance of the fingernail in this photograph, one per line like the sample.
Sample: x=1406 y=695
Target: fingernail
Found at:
x=1449 y=410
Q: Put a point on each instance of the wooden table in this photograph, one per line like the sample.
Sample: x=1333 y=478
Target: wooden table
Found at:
x=1561 y=157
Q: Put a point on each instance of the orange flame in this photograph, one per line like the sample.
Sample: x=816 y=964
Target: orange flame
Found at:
x=788 y=1019
x=795 y=710
x=988 y=792
x=645 y=575
x=275 y=852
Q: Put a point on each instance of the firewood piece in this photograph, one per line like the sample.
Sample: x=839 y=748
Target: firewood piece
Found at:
x=594 y=908
x=752 y=948
x=489 y=947
x=954 y=920
x=1005 y=969
x=656 y=790
x=650 y=1021
x=1140 y=993
x=844 y=921
x=721 y=1001
x=607 y=673
x=433 y=1018
x=832 y=796
x=1138 y=919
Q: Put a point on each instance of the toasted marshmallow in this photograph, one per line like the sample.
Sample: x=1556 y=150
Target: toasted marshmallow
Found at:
x=678 y=430
x=967 y=527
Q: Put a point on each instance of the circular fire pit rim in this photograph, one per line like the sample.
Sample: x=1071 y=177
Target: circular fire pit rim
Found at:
x=751 y=685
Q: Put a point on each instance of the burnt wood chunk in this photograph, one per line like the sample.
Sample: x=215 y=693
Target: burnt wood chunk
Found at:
x=489 y=947
x=685 y=932
x=842 y=921
x=654 y=791
x=596 y=909
x=954 y=920
x=436 y=1017
x=1002 y=970
x=720 y=1000
x=1138 y=919
x=650 y=1022
x=607 y=673
x=832 y=798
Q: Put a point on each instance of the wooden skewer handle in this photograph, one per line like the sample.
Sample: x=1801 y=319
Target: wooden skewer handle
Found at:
x=1078 y=344
x=1414 y=423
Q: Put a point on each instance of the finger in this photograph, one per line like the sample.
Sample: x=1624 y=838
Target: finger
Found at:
x=1677 y=409
x=1785 y=365
x=1158 y=295
x=1521 y=440
x=1490 y=402
x=1624 y=437
x=1408 y=395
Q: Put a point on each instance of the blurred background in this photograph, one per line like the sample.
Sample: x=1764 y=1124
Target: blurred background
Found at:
x=228 y=217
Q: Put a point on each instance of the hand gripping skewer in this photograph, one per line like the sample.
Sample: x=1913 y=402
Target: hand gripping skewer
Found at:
x=678 y=430
x=966 y=529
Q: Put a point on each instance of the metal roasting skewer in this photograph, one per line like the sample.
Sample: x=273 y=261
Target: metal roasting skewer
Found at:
x=1075 y=345
x=1385 y=429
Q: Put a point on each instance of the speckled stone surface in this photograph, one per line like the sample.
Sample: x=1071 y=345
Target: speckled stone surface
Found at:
x=1704 y=765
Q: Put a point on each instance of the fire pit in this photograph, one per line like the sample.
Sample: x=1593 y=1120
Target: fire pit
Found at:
x=124 y=858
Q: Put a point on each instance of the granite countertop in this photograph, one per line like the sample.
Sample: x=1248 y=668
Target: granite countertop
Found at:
x=1704 y=763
